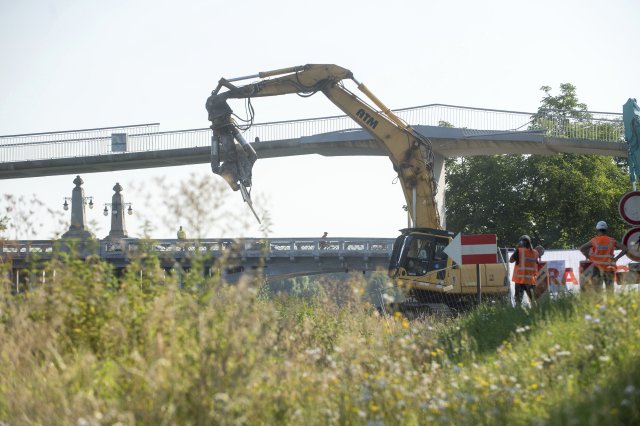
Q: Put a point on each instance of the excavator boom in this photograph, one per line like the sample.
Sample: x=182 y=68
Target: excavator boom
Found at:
x=409 y=152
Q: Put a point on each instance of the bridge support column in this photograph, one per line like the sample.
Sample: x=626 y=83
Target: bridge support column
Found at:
x=439 y=176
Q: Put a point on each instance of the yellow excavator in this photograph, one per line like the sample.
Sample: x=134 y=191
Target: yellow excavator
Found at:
x=418 y=262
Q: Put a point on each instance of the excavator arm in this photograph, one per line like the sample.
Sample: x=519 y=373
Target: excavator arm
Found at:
x=410 y=153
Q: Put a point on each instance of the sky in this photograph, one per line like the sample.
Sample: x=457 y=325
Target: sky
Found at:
x=86 y=64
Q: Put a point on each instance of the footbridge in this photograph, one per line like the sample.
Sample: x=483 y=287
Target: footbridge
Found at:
x=453 y=131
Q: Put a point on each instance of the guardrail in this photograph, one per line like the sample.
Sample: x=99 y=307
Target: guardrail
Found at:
x=599 y=126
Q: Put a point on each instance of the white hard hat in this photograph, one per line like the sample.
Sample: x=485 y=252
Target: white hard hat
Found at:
x=602 y=225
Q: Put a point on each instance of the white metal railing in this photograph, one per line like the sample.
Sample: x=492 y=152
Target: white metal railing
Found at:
x=598 y=126
x=82 y=134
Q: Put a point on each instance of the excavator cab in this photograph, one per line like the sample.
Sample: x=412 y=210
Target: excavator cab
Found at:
x=418 y=254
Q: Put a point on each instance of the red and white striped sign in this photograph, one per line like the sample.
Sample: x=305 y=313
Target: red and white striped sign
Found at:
x=473 y=249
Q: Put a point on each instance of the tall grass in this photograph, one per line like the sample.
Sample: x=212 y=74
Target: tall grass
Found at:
x=89 y=349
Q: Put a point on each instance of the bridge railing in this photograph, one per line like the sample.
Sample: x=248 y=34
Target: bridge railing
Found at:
x=599 y=126
x=245 y=247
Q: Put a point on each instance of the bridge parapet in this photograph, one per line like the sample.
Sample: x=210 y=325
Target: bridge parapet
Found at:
x=236 y=248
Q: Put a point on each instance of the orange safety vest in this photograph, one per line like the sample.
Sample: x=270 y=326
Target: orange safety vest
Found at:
x=526 y=269
x=601 y=253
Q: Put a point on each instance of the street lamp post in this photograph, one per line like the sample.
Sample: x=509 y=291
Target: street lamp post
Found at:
x=117 y=206
x=78 y=227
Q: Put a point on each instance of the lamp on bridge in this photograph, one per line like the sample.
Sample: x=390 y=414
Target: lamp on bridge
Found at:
x=65 y=206
x=107 y=205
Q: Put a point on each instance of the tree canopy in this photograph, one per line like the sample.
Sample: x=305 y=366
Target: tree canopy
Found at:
x=555 y=199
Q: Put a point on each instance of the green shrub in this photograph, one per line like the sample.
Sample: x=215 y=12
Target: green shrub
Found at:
x=154 y=348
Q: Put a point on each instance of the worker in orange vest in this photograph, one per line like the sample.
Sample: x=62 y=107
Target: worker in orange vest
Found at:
x=600 y=252
x=525 y=271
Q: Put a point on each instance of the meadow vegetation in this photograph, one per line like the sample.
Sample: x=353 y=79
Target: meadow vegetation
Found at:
x=89 y=348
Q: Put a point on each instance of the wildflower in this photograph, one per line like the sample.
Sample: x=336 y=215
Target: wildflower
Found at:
x=588 y=317
x=221 y=397
x=629 y=389
x=563 y=353
x=373 y=407
x=533 y=386
x=589 y=347
x=604 y=358
x=596 y=320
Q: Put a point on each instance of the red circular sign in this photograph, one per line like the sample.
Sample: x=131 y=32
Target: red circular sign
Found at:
x=629 y=207
x=632 y=240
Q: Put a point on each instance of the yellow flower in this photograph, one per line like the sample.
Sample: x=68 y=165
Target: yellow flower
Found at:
x=405 y=323
x=373 y=407
x=533 y=386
